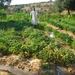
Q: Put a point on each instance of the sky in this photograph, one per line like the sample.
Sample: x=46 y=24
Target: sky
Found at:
x=16 y=2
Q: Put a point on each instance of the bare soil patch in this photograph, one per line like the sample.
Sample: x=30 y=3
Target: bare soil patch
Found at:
x=31 y=64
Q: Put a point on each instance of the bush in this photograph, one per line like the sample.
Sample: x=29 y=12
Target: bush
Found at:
x=2 y=14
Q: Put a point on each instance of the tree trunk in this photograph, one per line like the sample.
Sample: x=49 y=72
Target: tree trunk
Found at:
x=68 y=12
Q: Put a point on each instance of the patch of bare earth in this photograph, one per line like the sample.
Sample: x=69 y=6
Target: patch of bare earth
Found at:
x=71 y=69
x=31 y=64
x=5 y=73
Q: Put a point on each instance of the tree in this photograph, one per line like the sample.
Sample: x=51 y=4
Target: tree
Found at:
x=65 y=4
x=69 y=5
x=59 y=5
x=4 y=4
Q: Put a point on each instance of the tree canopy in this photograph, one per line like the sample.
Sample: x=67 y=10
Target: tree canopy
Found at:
x=65 y=4
x=4 y=4
x=59 y=5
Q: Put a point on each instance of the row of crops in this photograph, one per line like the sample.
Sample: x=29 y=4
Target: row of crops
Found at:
x=18 y=36
x=63 y=24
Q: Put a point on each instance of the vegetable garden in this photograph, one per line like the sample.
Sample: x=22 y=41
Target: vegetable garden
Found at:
x=18 y=36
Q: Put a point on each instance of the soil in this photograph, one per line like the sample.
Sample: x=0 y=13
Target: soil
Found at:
x=30 y=64
x=5 y=73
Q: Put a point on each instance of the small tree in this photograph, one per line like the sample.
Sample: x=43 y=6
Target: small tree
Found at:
x=59 y=5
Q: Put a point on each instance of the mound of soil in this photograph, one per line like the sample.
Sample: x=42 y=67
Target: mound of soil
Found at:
x=31 y=64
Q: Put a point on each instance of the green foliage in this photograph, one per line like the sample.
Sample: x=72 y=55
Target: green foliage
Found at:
x=73 y=44
x=65 y=4
x=2 y=14
x=69 y=4
x=35 y=40
x=52 y=9
x=18 y=36
x=63 y=23
x=59 y=5
x=44 y=27
x=58 y=56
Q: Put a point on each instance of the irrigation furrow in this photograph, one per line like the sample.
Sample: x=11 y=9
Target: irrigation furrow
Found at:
x=60 y=41
x=58 y=29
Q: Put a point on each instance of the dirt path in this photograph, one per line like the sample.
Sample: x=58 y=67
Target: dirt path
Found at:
x=58 y=29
